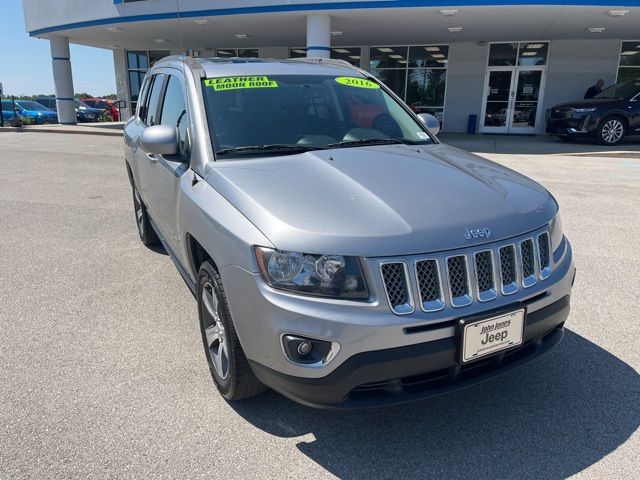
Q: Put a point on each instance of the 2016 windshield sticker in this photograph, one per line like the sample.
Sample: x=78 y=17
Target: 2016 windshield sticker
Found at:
x=357 y=82
x=237 y=83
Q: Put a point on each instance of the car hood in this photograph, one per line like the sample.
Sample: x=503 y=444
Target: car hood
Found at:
x=382 y=200
x=586 y=103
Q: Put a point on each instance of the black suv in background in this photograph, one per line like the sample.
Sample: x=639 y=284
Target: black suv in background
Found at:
x=608 y=117
x=84 y=112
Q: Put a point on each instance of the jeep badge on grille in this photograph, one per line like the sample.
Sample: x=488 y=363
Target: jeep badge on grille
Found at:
x=475 y=233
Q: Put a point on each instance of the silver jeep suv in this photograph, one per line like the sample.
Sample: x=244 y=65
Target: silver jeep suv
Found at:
x=338 y=252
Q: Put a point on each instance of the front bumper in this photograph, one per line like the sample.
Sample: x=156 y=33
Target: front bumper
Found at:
x=415 y=372
x=583 y=126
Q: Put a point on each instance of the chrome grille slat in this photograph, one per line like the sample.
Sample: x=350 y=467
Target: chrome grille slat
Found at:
x=528 y=262
x=429 y=285
x=458 y=276
x=544 y=254
x=457 y=280
x=508 y=270
x=485 y=277
x=396 y=285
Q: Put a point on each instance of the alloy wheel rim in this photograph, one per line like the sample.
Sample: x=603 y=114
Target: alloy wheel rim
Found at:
x=612 y=131
x=215 y=333
x=139 y=213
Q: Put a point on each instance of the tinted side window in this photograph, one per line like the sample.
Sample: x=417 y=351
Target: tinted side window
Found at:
x=174 y=113
x=154 y=100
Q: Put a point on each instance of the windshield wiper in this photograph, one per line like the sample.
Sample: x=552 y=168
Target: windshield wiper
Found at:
x=369 y=141
x=272 y=148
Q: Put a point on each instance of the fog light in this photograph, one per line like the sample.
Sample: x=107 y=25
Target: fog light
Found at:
x=305 y=351
x=304 y=348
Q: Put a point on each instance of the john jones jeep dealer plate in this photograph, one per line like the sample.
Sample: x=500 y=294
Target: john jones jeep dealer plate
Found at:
x=491 y=335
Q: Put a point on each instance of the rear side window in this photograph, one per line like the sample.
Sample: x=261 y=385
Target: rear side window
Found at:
x=174 y=113
x=154 y=100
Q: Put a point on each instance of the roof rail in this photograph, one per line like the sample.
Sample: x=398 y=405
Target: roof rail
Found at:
x=321 y=61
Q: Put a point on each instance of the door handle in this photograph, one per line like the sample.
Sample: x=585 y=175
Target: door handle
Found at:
x=152 y=157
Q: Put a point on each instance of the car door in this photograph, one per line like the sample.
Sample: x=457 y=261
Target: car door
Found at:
x=165 y=172
x=148 y=115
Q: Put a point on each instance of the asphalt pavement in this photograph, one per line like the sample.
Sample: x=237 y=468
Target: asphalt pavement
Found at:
x=102 y=372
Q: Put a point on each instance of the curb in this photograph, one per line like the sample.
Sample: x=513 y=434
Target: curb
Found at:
x=104 y=133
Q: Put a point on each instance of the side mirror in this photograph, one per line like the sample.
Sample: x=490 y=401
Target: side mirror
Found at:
x=432 y=123
x=160 y=139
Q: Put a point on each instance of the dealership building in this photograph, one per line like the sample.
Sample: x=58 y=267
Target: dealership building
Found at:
x=495 y=66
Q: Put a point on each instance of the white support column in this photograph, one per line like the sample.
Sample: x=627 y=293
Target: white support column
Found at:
x=318 y=36
x=63 y=80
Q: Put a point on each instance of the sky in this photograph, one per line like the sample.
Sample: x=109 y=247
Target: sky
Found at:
x=25 y=63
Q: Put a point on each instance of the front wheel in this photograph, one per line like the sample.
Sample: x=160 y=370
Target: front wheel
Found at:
x=611 y=131
x=229 y=367
x=145 y=229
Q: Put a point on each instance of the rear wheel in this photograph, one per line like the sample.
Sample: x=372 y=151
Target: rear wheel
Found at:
x=228 y=365
x=611 y=131
x=145 y=230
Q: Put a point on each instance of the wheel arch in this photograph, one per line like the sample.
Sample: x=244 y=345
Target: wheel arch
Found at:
x=197 y=256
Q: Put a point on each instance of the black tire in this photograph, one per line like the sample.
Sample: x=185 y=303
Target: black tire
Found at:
x=145 y=229
x=220 y=340
x=611 y=130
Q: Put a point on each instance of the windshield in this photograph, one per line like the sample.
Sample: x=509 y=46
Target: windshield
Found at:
x=296 y=112
x=80 y=104
x=620 y=90
x=31 y=105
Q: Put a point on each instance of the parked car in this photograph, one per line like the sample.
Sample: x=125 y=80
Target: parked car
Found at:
x=108 y=106
x=30 y=109
x=608 y=117
x=9 y=114
x=49 y=102
x=86 y=114
x=341 y=261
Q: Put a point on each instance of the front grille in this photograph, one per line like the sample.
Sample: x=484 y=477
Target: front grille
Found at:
x=480 y=275
x=394 y=275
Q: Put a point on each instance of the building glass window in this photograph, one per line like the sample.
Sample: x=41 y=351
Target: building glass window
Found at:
x=417 y=74
x=525 y=54
x=138 y=62
x=352 y=55
x=237 y=52
x=629 y=68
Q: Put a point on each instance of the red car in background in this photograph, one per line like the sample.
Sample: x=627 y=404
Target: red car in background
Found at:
x=109 y=106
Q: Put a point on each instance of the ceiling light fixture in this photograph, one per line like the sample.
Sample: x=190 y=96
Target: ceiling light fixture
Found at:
x=385 y=49
x=432 y=49
x=449 y=12
x=617 y=13
x=299 y=50
x=396 y=56
x=336 y=33
x=454 y=29
x=355 y=57
x=630 y=52
x=528 y=54
x=341 y=50
x=534 y=46
x=437 y=55
x=596 y=29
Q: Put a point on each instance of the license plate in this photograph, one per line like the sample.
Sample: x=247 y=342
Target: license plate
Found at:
x=490 y=335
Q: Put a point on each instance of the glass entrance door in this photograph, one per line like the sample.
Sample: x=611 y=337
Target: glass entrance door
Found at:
x=514 y=86
x=511 y=100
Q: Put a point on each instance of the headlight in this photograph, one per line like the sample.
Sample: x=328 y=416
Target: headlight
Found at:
x=555 y=232
x=583 y=110
x=333 y=276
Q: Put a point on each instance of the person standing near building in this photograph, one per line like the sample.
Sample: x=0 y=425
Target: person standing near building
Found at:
x=594 y=89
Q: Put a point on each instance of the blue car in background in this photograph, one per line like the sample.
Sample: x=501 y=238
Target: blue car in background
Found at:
x=29 y=108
